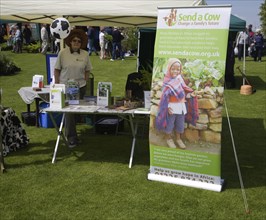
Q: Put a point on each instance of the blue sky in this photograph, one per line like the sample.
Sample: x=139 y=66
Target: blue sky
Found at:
x=245 y=9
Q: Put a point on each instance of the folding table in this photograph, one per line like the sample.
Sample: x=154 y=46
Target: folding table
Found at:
x=83 y=108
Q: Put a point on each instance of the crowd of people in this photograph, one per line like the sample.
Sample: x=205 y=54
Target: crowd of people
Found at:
x=17 y=36
x=105 y=42
x=247 y=43
x=250 y=43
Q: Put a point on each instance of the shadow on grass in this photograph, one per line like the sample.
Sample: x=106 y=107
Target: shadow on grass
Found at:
x=249 y=138
x=32 y=154
x=255 y=81
x=111 y=148
x=94 y=147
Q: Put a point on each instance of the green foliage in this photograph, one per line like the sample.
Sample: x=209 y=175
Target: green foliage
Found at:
x=204 y=73
x=262 y=14
x=197 y=73
x=146 y=79
x=108 y=37
x=5 y=47
x=130 y=41
x=7 y=66
x=32 y=48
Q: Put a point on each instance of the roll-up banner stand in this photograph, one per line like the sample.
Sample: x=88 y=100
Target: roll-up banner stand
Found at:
x=187 y=96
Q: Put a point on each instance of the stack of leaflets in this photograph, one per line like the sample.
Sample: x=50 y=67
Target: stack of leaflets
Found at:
x=104 y=93
x=57 y=96
x=72 y=93
x=37 y=81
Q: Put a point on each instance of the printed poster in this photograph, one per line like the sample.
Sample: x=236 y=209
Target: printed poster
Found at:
x=187 y=96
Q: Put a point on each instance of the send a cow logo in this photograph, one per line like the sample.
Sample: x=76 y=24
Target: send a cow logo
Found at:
x=191 y=19
x=170 y=19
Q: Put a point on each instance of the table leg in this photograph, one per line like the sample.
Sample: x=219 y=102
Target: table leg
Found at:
x=134 y=131
x=28 y=108
x=37 y=101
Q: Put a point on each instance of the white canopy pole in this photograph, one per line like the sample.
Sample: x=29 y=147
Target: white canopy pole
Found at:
x=244 y=57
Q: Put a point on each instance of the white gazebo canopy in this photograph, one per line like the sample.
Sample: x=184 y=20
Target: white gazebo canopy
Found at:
x=140 y=13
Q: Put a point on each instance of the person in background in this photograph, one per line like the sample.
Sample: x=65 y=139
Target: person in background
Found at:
x=102 y=43
x=259 y=44
x=11 y=40
x=27 y=34
x=73 y=64
x=91 y=38
x=18 y=40
x=117 y=38
x=250 y=32
x=108 y=41
x=45 y=39
x=242 y=43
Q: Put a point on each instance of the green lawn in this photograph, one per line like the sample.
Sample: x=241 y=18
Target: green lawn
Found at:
x=93 y=181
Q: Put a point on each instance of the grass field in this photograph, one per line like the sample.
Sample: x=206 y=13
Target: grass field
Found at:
x=93 y=181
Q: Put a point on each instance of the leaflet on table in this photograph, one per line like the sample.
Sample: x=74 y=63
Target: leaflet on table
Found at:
x=82 y=108
x=37 y=81
x=57 y=96
x=143 y=111
x=104 y=93
x=72 y=92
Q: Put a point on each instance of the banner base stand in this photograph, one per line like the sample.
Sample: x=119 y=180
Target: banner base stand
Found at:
x=190 y=183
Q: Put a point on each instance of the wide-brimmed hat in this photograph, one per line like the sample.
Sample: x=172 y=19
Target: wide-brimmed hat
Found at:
x=79 y=33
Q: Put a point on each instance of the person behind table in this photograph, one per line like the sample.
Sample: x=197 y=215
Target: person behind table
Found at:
x=172 y=107
x=73 y=63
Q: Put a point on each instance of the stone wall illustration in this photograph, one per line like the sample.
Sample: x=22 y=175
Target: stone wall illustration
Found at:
x=210 y=105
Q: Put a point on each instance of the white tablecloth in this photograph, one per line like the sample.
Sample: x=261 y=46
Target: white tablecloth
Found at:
x=28 y=94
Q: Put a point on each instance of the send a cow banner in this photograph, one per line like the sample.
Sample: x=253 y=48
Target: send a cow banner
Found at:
x=187 y=96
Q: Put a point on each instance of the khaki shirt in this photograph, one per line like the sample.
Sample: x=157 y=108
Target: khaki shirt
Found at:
x=73 y=66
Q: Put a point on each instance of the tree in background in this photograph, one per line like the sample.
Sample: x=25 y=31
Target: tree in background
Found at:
x=262 y=15
x=130 y=41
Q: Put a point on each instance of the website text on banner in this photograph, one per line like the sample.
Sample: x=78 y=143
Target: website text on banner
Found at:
x=187 y=96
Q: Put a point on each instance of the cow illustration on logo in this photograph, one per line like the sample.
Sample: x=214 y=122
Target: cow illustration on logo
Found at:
x=170 y=20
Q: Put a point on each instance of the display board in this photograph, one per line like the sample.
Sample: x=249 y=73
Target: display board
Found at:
x=187 y=96
x=50 y=63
